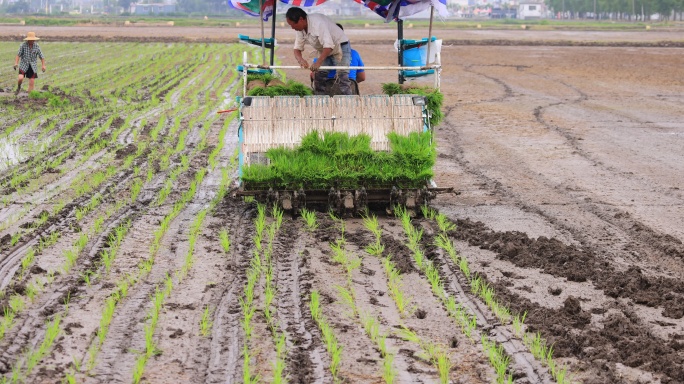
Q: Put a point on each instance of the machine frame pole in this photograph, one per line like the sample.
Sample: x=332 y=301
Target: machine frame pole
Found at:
x=273 y=28
x=400 y=36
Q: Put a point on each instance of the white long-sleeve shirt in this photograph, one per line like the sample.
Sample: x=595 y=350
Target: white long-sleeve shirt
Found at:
x=321 y=33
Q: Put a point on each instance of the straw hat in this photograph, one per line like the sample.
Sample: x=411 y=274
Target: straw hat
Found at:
x=31 y=36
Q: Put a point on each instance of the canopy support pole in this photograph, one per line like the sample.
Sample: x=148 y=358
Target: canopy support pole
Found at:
x=400 y=36
x=432 y=11
x=273 y=27
x=263 y=43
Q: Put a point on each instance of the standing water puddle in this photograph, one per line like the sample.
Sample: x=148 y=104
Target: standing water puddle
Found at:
x=10 y=153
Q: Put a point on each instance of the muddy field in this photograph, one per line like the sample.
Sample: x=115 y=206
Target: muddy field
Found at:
x=568 y=166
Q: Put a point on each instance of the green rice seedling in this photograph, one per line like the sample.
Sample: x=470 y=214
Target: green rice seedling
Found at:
x=443 y=241
x=42 y=219
x=279 y=365
x=70 y=378
x=375 y=249
x=205 y=322
x=561 y=375
x=315 y=305
x=6 y=322
x=225 y=241
x=27 y=261
x=15 y=239
x=278 y=215
x=335 y=351
x=247 y=377
x=136 y=187
x=71 y=256
x=370 y=325
x=48 y=241
x=139 y=368
x=472 y=325
x=87 y=276
x=498 y=360
x=444 y=224
x=388 y=372
x=32 y=289
x=428 y=212
x=436 y=284
x=260 y=222
x=339 y=254
x=519 y=324
x=408 y=335
x=537 y=345
x=347 y=298
x=443 y=366
x=394 y=284
x=36 y=355
x=463 y=266
x=310 y=219
x=475 y=284
x=81 y=242
x=371 y=223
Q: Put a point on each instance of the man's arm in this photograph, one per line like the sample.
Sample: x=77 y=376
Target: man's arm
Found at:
x=324 y=55
x=298 y=56
x=16 y=62
x=360 y=76
x=43 y=61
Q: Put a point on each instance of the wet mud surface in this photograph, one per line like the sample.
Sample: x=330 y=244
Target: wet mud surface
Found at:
x=568 y=162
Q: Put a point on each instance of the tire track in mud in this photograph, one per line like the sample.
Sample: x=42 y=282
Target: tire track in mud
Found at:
x=117 y=355
x=177 y=325
x=657 y=289
x=29 y=329
x=64 y=220
x=624 y=233
x=293 y=279
x=225 y=350
x=664 y=245
x=126 y=336
x=637 y=235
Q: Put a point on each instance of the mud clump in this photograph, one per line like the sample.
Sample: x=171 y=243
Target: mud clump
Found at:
x=125 y=151
x=558 y=259
x=401 y=255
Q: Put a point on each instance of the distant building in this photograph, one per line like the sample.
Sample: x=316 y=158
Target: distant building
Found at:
x=531 y=9
x=149 y=9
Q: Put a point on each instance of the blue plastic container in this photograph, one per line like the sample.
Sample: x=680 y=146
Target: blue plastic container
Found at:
x=417 y=56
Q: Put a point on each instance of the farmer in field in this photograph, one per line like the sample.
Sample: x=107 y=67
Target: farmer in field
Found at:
x=27 y=61
x=355 y=75
x=328 y=39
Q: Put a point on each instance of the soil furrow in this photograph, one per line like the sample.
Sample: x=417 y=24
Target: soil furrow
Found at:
x=31 y=322
x=305 y=353
x=223 y=361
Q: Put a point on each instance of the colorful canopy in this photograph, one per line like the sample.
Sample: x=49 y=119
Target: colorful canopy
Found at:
x=387 y=9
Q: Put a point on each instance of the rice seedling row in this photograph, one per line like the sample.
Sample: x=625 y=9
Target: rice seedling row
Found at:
x=467 y=321
x=83 y=212
x=479 y=287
